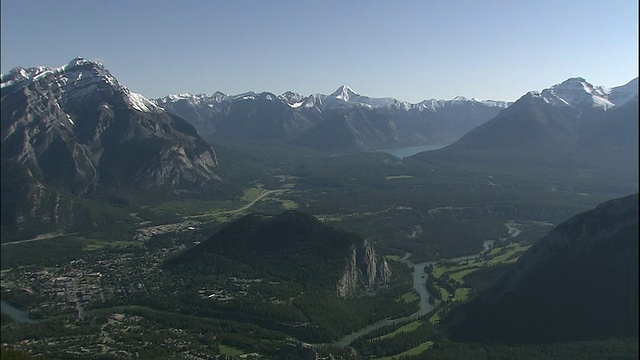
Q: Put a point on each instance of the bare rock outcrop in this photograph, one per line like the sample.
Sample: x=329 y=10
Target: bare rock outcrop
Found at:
x=364 y=271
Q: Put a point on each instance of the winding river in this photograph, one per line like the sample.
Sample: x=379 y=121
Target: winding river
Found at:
x=420 y=286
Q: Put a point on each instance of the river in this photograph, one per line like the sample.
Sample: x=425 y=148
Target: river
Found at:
x=419 y=285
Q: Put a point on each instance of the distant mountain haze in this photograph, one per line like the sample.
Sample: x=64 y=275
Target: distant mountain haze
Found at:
x=573 y=126
x=343 y=121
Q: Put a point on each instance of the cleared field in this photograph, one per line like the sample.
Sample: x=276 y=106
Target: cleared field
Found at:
x=435 y=318
x=415 y=351
x=99 y=245
x=458 y=275
x=462 y=294
x=404 y=329
x=252 y=193
x=438 y=270
x=443 y=293
x=410 y=297
x=287 y=204
x=505 y=257
x=230 y=351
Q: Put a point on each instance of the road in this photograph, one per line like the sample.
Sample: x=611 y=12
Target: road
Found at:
x=245 y=207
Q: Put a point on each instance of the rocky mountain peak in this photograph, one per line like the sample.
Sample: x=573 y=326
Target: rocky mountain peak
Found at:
x=363 y=272
x=579 y=93
x=291 y=97
x=79 y=115
x=344 y=93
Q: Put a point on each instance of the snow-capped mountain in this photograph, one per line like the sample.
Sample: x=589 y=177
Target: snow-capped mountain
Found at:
x=75 y=126
x=318 y=120
x=570 y=129
x=579 y=93
x=76 y=80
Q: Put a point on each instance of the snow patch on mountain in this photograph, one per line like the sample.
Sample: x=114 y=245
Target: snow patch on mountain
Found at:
x=579 y=93
x=139 y=102
x=343 y=97
x=75 y=80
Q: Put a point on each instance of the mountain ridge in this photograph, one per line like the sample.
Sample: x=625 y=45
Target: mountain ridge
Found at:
x=579 y=282
x=79 y=134
x=311 y=121
x=294 y=246
x=581 y=135
x=89 y=117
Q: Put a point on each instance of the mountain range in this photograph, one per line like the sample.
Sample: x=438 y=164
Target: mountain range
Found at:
x=343 y=121
x=75 y=132
x=579 y=282
x=572 y=128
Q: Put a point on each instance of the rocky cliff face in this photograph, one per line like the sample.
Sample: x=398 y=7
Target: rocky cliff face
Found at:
x=363 y=271
x=77 y=128
x=30 y=208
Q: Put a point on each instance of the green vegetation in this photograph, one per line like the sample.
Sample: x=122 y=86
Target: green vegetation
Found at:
x=507 y=254
x=458 y=275
x=462 y=294
x=414 y=351
x=229 y=351
x=409 y=339
x=405 y=328
x=410 y=297
x=432 y=211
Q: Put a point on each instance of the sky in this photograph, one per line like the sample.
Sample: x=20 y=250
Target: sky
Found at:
x=408 y=50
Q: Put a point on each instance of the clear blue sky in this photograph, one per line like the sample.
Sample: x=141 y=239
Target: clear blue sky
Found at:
x=409 y=50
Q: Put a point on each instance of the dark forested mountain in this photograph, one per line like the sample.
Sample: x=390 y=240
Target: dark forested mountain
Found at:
x=578 y=282
x=574 y=126
x=342 y=121
x=75 y=129
x=292 y=246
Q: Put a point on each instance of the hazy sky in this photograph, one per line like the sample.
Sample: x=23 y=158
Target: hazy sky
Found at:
x=409 y=50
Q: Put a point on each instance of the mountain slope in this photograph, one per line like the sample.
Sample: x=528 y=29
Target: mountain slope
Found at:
x=579 y=282
x=570 y=127
x=292 y=246
x=76 y=145
x=341 y=121
x=77 y=128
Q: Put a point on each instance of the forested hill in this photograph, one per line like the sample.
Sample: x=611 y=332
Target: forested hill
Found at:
x=579 y=282
x=291 y=246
